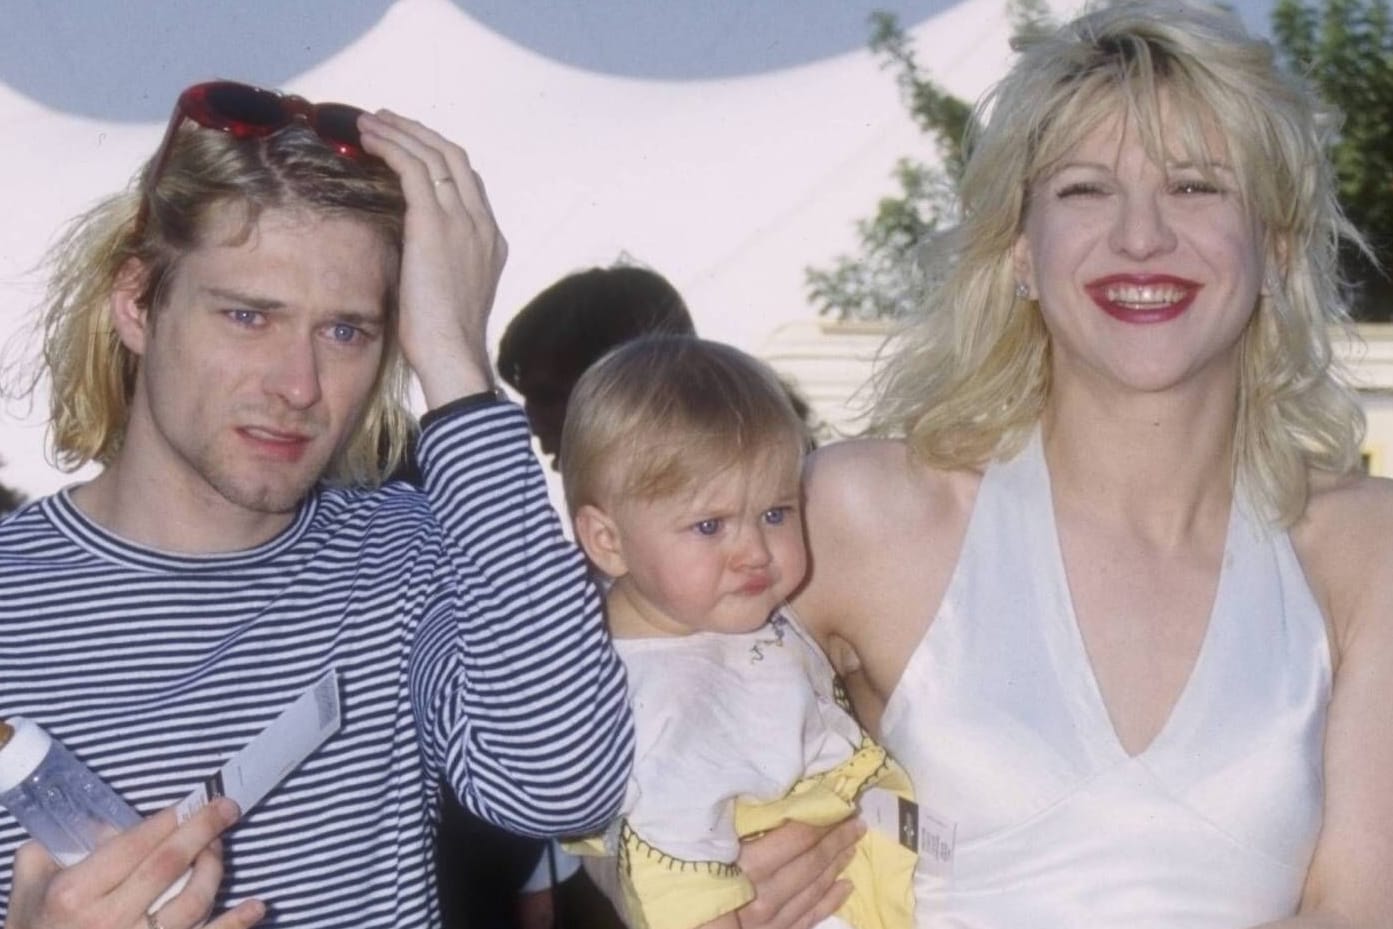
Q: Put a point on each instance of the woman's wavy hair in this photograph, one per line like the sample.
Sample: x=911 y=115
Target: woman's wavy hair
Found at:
x=92 y=374
x=966 y=377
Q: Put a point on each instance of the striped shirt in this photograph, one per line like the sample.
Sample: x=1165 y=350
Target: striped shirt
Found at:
x=468 y=639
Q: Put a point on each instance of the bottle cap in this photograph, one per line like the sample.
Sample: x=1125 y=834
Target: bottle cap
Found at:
x=23 y=753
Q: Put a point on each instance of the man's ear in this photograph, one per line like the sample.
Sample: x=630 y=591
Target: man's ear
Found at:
x=599 y=536
x=130 y=320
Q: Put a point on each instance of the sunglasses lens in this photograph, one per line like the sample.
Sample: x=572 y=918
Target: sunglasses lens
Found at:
x=239 y=109
x=337 y=124
x=249 y=112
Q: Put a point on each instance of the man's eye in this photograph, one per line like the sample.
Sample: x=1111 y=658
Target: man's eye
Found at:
x=777 y=516
x=342 y=332
x=245 y=317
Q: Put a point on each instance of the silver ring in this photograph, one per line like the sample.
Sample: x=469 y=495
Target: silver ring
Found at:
x=151 y=922
x=437 y=181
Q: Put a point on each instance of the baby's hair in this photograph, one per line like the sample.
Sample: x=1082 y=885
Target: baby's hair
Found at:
x=659 y=413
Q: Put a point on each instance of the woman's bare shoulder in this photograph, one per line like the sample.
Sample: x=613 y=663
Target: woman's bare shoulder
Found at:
x=875 y=481
x=1347 y=510
x=882 y=527
x=1345 y=543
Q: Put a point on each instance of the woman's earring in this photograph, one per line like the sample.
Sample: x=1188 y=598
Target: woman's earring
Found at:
x=1022 y=289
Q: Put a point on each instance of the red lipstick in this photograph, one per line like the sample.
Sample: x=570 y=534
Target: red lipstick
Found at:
x=1143 y=299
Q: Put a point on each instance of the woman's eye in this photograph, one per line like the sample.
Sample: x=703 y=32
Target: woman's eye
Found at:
x=1080 y=189
x=1196 y=186
x=777 y=516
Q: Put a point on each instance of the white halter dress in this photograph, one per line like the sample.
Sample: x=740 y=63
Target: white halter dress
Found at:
x=1042 y=820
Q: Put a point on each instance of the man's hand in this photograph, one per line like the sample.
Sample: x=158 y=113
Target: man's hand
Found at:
x=452 y=256
x=114 y=886
x=794 y=869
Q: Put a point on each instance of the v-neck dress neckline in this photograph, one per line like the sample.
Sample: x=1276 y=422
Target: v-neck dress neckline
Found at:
x=999 y=719
x=1072 y=658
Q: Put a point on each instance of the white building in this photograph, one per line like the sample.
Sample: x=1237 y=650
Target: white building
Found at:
x=830 y=362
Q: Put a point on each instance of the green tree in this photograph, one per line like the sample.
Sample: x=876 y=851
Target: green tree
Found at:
x=1345 y=47
x=881 y=280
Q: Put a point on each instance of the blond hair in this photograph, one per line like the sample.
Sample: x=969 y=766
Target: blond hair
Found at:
x=966 y=379
x=661 y=412
x=91 y=372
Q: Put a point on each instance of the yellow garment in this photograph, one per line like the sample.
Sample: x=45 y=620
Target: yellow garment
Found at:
x=728 y=728
x=882 y=871
x=663 y=892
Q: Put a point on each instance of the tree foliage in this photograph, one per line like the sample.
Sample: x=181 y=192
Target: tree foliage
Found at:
x=881 y=281
x=1345 y=48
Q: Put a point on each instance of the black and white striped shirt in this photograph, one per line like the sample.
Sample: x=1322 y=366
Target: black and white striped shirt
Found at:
x=468 y=639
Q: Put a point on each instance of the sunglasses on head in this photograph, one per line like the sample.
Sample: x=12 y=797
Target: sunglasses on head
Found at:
x=248 y=112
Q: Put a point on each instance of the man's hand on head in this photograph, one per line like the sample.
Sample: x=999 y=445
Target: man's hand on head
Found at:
x=452 y=257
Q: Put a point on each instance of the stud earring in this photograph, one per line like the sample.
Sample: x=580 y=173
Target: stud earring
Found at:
x=1022 y=290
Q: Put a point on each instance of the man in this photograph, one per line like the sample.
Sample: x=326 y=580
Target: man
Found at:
x=226 y=339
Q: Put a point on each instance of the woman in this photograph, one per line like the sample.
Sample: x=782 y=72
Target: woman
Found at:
x=1118 y=599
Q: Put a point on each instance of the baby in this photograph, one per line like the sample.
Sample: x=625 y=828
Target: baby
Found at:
x=681 y=461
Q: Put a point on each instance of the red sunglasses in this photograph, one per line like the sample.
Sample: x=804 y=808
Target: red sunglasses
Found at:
x=248 y=112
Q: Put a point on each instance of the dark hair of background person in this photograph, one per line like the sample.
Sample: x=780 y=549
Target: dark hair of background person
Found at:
x=571 y=324
x=9 y=499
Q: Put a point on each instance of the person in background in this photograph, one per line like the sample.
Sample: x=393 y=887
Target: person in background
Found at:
x=230 y=339
x=570 y=325
x=10 y=499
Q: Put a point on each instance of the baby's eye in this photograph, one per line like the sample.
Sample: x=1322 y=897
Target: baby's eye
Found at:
x=777 y=516
x=708 y=527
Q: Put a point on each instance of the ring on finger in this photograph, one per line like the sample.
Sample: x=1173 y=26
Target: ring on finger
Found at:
x=437 y=181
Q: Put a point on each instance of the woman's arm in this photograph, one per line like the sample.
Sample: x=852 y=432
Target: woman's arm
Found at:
x=1346 y=547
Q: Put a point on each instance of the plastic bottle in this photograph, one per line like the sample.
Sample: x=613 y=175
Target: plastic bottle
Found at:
x=58 y=800
x=54 y=796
